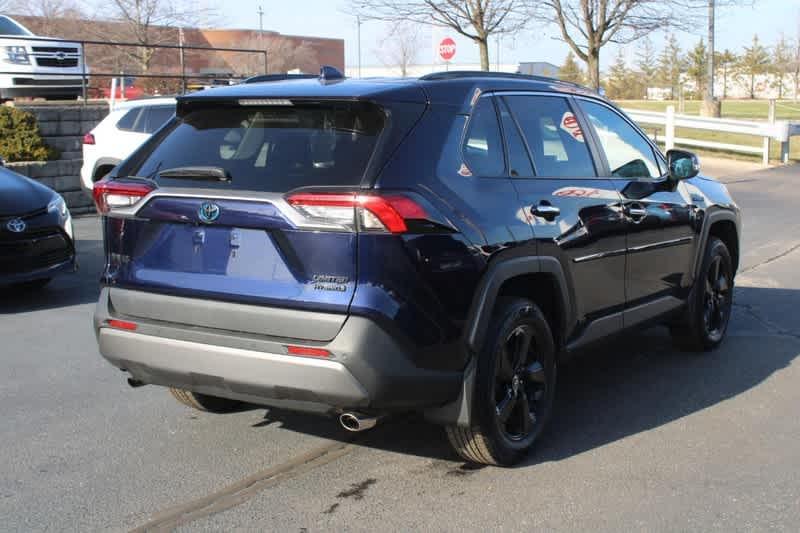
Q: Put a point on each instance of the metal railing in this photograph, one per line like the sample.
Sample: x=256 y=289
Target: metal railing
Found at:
x=778 y=130
x=85 y=73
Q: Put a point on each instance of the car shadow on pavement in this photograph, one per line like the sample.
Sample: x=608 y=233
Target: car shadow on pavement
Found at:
x=64 y=290
x=630 y=385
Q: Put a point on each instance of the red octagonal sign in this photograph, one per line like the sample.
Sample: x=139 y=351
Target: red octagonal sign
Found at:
x=447 y=49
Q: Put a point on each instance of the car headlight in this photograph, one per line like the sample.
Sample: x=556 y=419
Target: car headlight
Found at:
x=58 y=205
x=17 y=55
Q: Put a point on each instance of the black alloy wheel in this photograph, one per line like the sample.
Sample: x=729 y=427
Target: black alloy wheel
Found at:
x=717 y=299
x=514 y=391
x=708 y=310
x=520 y=385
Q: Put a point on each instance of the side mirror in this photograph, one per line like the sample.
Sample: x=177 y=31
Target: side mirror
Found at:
x=682 y=164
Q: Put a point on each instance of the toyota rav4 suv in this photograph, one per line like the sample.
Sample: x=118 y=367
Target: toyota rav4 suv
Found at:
x=437 y=245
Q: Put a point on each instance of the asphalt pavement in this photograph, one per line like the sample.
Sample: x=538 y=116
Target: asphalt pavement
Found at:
x=644 y=437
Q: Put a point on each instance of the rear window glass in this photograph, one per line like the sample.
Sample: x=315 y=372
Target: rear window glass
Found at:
x=157 y=116
x=270 y=149
x=128 y=120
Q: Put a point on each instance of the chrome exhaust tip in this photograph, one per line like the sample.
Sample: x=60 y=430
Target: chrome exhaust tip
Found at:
x=357 y=421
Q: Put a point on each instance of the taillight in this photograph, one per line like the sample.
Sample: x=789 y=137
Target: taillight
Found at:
x=362 y=212
x=111 y=194
x=88 y=139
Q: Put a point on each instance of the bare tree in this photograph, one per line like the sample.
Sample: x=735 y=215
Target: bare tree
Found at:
x=47 y=8
x=796 y=67
x=588 y=25
x=477 y=20
x=151 y=22
x=400 y=47
x=52 y=15
x=283 y=53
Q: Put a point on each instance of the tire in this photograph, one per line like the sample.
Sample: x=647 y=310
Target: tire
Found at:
x=514 y=387
x=709 y=308
x=204 y=402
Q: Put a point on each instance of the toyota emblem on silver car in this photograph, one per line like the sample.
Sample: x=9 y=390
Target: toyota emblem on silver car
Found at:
x=208 y=212
x=16 y=225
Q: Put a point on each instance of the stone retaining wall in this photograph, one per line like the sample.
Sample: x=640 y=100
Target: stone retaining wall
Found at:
x=63 y=127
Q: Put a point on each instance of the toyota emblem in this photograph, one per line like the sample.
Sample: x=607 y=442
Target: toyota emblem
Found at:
x=16 y=225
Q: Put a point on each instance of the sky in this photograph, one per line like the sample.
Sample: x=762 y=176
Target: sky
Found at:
x=329 y=18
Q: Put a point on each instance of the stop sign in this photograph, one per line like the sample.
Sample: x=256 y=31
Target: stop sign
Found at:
x=447 y=49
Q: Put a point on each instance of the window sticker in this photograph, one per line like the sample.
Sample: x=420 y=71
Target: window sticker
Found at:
x=570 y=124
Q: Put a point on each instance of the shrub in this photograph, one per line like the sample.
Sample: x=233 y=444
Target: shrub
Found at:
x=20 y=138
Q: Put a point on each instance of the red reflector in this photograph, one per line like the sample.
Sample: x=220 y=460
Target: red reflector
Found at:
x=305 y=350
x=121 y=324
x=88 y=139
x=109 y=194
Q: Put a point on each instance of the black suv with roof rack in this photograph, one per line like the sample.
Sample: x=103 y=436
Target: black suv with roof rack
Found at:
x=369 y=247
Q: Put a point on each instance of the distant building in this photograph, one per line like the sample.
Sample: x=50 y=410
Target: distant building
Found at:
x=539 y=68
x=286 y=52
x=659 y=93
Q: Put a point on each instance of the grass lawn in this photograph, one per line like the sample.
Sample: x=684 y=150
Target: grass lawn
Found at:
x=744 y=109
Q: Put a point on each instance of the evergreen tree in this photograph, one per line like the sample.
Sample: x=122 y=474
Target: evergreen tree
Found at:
x=696 y=67
x=754 y=62
x=781 y=63
x=670 y=66
x=571 y=71
x=646 y=60
x=617 y=78
x=623 y=83
x=725 y=60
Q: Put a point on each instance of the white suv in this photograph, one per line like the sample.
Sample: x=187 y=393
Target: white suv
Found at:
x=37 y=67
x=126 y=127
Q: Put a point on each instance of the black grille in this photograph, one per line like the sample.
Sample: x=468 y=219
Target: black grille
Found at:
x=46 y=83
x=33 y=250
x=53 y=62
x=54 y=49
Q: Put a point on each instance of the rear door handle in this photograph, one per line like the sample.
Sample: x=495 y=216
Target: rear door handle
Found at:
x=546 y=211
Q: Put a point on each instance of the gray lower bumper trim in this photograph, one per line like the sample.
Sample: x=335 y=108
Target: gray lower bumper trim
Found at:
x=230 y=372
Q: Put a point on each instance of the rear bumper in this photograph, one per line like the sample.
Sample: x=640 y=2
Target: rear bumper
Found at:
x=225 y=371
x=367 y=369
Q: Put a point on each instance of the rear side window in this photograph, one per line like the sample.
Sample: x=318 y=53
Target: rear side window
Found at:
x=129 y=119
x=518 y=160
x=483 y=146
x=270 y=149
x=554 y=136
x=157 y=116
x=629 y=155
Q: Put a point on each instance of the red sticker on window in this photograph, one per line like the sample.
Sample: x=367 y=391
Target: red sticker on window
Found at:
x=570 y=124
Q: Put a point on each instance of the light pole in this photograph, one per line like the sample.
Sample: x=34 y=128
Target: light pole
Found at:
x=710 y=108
x=260 y=26
x=358 y=23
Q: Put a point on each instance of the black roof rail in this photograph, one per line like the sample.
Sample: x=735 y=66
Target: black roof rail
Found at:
x=279 y=77
x=458 y=74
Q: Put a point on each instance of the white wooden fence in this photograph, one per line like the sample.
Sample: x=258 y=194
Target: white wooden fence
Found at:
x=779 y=130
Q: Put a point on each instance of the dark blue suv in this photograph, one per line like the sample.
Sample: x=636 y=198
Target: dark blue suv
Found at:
x=368 y=247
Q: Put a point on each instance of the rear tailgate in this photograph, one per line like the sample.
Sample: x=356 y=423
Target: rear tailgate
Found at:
x=202 y=243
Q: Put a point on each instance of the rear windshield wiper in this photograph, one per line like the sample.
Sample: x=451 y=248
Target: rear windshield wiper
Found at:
x=196 y=173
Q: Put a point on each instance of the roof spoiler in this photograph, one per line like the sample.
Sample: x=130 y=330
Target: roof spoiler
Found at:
x=326 y=73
